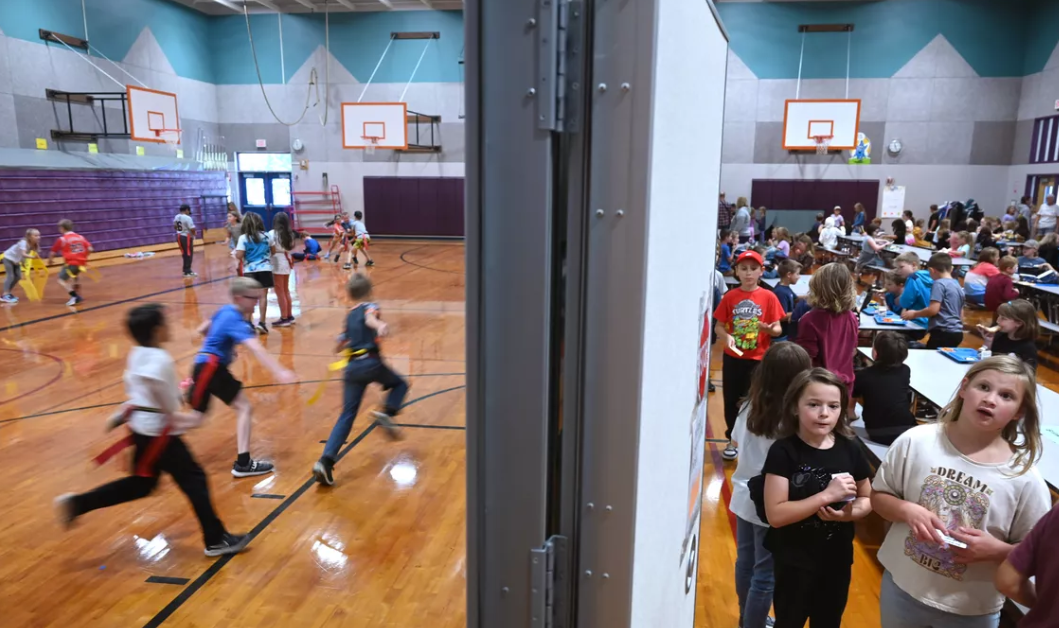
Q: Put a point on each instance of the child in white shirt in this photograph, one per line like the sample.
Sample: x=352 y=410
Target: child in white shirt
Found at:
x=154 y=416
x=13 y=258
x=361 y=240
x=961 y=494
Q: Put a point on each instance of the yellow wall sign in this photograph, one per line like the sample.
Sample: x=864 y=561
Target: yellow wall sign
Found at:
x=140 y=151
x=93 y=148
x=42 y=144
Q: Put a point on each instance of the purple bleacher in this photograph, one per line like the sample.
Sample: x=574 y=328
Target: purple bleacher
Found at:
x=114 y=209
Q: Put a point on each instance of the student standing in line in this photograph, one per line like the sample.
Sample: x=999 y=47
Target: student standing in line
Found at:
x=185 y=232
x=1016 y=331
x=746 y=321
x=13 y=257
x=945 y=311
x=788 y=272
x=741 y=221
x=1045 y=220
x=254 y=250
x=155 y=418
x=281 y=238
x=756 y=429
x=724 y=264
x=969 y=477
x=1032 y=567
x=828 y=333
x=816 y=484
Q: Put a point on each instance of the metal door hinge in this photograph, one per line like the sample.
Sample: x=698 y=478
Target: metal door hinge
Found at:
x=559 y=63
x=548 y=582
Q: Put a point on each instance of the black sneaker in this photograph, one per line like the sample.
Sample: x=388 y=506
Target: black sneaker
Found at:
x=370 y=263
x=64 y=510
x=263 y=328
x=322 y=471
x=256 y=467
x=385 y=421
x=337 y=257
x=230 y=544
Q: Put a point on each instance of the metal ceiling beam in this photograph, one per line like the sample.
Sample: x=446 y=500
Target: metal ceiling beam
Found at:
x=307 y=4
x=269 y=5
x=386 y=3
x=428 y=4
x=226 y=3
x=346 y=3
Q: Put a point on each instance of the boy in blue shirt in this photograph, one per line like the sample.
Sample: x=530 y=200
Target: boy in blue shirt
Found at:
x=360 y=340
x=724 y=264
x=918 y=284
x=789 y=270
x=211 y=377
x=946 y=305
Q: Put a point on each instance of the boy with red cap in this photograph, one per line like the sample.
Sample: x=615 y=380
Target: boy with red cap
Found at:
x=747 y=319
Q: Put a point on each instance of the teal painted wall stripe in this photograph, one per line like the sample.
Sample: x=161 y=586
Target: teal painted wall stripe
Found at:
x=888 y=34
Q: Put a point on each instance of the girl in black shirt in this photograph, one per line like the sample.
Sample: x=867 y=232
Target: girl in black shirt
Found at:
x=816 y=486
x=1016 y=331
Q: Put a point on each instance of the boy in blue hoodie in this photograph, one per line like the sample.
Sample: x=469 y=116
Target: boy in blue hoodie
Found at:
x=918 y=284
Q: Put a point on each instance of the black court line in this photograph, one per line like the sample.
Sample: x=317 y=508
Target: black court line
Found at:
x=255 y=387
x=112 y=304
x=423 y=266
x=717 y=440
x=267 y=496
x=434 y=427
x=167 y=580
x=215 y=568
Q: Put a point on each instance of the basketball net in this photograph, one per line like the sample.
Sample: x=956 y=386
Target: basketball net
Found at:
x=823 y=142
x=370 y=145
x=170 y=136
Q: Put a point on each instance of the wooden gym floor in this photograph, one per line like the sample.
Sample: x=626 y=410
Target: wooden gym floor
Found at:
x=384 y=547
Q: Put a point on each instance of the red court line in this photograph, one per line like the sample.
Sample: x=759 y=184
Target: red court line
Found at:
x=718 y=470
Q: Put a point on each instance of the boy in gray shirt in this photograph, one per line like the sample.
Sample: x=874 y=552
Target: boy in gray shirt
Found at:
x=946 y=305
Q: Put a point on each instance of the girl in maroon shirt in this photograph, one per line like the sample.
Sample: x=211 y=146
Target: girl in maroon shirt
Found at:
x=829 y=331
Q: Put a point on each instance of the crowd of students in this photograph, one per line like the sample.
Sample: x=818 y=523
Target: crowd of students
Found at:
x=962 y=493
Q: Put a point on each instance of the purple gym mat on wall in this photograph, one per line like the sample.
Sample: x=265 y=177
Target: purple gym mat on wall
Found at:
x=414 y=206
x=816 y=195
x=114 y=209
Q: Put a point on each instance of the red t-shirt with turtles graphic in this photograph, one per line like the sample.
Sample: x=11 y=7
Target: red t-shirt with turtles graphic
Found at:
x=741 y=311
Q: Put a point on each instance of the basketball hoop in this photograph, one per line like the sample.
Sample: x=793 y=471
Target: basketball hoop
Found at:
x=823 y=142
x=170 y=136
x=371 y=142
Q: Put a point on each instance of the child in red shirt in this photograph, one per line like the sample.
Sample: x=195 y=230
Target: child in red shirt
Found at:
x=747 y=319
x=74 y=250
x=1001 y=287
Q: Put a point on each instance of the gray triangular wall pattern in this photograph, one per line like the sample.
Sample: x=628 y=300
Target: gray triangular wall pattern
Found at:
x=339 y=73
x=1053 y=60
x=146 y=53
x=938 y=59
x=737 y=69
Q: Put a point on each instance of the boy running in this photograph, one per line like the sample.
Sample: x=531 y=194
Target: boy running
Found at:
x=74 y=250
x=361 y=240
x=363 y=328
x=211 y=377
x=156 y=422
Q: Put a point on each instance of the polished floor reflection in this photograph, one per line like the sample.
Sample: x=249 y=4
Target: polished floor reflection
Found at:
x=384 y=547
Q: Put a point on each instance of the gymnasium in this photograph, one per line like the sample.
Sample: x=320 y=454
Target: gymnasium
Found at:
x=536 y=225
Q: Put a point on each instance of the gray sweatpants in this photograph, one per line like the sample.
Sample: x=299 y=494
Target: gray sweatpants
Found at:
x=12 y=275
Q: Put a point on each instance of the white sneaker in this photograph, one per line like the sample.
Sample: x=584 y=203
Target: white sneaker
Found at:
x=731 y=452
x=72 y=302
x=9 y=298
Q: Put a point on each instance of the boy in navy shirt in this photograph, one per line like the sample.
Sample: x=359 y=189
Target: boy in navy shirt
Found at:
x=211 y=376
x=724 y=264
x=789 y=270
x=360 y=340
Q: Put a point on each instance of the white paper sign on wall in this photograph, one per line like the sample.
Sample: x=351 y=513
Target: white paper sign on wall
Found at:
x=893 y=201
x=262 y=144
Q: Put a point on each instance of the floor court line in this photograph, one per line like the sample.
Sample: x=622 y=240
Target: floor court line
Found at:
x=255 y=387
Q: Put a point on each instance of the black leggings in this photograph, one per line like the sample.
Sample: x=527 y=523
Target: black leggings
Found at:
x=736 y=373
x=940 y=338
x=177 y=461
x=819 y=596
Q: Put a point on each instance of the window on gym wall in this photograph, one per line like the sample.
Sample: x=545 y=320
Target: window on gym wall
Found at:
x=1044 y=148
x=264 y=162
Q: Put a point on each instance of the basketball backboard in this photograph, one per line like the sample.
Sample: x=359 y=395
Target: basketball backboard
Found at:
x=377 y=124
x=806 y=120
x=153 y=115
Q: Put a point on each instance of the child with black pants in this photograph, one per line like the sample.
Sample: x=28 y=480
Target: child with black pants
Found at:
x=886 y=390
x=185 y=230
x=360 y=340
x=816 y=485
x=747 y=319
x=154 y=417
